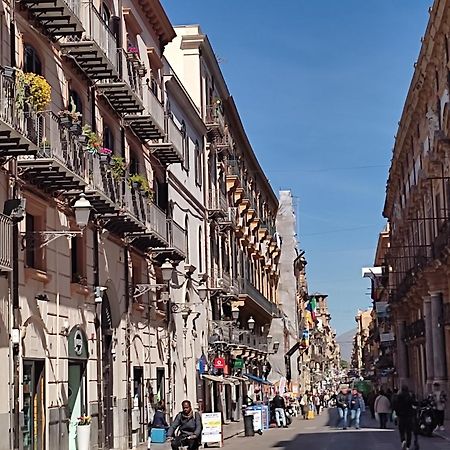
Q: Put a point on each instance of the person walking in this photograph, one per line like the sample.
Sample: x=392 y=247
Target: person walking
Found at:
x=357 y=406
x=186 y=429
x=403 y=405
x=279 y=405
x=342 y=407
x=304 y=404
x=439 y=399
x=371 y=403
x=317 y=403
x=382 y=408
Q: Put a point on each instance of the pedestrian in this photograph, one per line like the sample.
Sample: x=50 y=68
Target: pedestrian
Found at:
x=186 y=429
x=304 y=404
x=382 y=408
x=342 y=407
x=440 y=399
x=159 y=419
x=317 y=403
x=357 y=406
x=403 y=405
x=371 y=403
x=279 y=405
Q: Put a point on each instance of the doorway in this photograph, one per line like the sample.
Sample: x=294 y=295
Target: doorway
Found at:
x=138 y=404
x=77 y=401
x=33 y=386
x=107 y=371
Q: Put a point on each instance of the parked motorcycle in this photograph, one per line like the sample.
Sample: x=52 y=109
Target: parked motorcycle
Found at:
x=426 y=418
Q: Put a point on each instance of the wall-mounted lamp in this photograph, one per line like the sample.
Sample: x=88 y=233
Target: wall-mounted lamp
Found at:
x=98 y=293
x=251 y=323
x=269 y=339
x=235 y=313
x=202 y=293
x=167 y=271
x=65 y=328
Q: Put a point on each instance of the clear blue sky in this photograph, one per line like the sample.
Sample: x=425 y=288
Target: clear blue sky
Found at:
x=320 y=86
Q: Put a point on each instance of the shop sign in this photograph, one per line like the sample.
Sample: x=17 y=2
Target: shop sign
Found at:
x=219 y=363
x=238 y=364
x=212 y=428
x=77 y=344
x=387 y=337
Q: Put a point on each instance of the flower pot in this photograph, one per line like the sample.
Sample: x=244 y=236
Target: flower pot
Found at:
x=75 y=129
x=65 y=121
x=83 y=437
x=82 y=139
x=105 y=158
x=8 y=72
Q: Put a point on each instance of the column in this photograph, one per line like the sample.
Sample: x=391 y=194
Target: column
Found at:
x=438 y=337
x=428 y=342
x=402 y=363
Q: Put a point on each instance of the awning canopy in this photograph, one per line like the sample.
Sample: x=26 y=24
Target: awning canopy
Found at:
x=257 y=379
x=215 y=378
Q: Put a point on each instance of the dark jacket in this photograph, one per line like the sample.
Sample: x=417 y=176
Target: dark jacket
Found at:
x=278 y=402
x=403 y=405
x=186 y=426
x=342 y=400
x=356 y=402
x=159 y=420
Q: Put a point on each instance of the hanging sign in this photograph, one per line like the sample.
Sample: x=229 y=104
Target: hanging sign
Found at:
x=238 y=364
x=219 y=363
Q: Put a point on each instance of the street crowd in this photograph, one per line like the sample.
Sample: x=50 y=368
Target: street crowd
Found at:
x=400 y=408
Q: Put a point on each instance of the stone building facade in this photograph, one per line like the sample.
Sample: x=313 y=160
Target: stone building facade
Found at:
x=417 y=209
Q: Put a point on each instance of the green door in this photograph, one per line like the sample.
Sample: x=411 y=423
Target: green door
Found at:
x=76 y=400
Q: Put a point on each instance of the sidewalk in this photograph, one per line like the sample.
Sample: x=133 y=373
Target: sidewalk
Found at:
x=230 y=430
x=444 y=434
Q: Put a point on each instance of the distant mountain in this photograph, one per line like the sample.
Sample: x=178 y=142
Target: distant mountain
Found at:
x=345 y=342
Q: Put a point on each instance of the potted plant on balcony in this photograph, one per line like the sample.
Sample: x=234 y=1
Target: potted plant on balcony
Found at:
x=105 y=154
x=71 y=118
x=83 y=432
x=33 y=90
x=94 y=141
x=140 y=183
x=117 y=167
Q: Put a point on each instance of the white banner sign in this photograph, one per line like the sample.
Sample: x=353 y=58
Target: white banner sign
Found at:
x=212 y=427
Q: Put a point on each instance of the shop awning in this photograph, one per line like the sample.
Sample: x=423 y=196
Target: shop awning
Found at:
x=215 y=378
x=257 y=379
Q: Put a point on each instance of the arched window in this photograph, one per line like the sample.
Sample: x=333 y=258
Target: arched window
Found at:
x=32 y=62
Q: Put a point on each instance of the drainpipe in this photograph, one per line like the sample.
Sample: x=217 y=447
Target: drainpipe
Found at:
x=98 y=337
x=128 y=345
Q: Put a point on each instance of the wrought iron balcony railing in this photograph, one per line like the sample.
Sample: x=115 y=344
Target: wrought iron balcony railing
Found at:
x=5 y=243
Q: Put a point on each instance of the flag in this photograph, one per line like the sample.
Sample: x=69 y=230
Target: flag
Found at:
x=311 y=307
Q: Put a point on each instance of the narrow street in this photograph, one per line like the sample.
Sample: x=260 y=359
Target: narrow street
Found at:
x=321 y=434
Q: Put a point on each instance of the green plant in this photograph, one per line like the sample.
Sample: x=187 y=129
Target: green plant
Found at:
x=72 y=114
x=32 y=89
x=84 y=420
x=141 y=181
x=118 y=167
x=95 y=142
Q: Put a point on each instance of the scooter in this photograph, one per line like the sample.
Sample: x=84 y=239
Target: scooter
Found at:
x=426 y=418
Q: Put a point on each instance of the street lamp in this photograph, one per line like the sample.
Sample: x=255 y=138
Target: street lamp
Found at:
x=82 y=208
x=202 y=293
x=167 y=271
x=235 y=313
x=269 y=339
x=251 y=323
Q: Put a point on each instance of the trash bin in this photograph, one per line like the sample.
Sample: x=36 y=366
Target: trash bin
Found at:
x=248 y=425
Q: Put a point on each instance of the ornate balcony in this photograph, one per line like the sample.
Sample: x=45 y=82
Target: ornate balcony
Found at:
x=150 y=124
x=60 y=161
x=5 y=243
x=415 y=330
x=217 y=204
x=18 y=127
x=169 y=151
x=124 y=96
x=227 y=332
x=214 y=120
x=58 y=18
x=256 y=300
x=96 y=51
